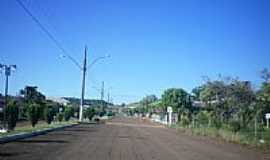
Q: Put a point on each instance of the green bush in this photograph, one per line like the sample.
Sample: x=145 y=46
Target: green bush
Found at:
x=48 y=114
x=110 y=114
x=102 y=113
x=11 y=112
x=185 y=121
x=89 y=113
x=68 y=113
x=235 y=126
x=33 y=113
x=60 y=117
x=202 y=118
x=216 y=123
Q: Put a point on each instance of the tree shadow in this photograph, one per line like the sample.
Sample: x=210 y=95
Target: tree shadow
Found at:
x=63 y=134
x=79 y=130
x=11 y=154
x=42 y=141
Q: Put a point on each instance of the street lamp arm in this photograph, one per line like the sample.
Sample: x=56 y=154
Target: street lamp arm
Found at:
x=96 y=60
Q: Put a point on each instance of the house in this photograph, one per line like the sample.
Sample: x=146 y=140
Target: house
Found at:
x=198 y=104
x=59 y=100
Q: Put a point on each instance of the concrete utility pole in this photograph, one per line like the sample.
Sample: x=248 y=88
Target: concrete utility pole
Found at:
x=108 y=100
x=102 y=91
x=7 y=69
x=83 y=69
x=102 y=94
x=83 y=84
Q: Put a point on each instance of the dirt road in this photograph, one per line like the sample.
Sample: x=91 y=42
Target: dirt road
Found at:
x=123 y=139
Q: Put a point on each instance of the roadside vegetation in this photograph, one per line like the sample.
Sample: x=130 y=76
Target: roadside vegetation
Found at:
x=227 y=108
x=33 y=107
x=39 y=127
x=37 y=113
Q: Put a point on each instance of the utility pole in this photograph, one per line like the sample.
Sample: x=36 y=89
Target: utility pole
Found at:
x=102 y=91
x=83 y=69
x=7 y=70
x=108 y=100
x=83 y=84
x=102 y=95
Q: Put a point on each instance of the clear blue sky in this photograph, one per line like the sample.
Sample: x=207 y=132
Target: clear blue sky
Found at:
x=154 y=44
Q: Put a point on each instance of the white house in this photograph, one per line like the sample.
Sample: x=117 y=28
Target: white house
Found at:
x=59 y=100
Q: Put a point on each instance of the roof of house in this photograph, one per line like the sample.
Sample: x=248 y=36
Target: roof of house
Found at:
x=59 y=100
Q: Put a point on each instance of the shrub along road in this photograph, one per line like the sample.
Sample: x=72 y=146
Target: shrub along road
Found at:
x=121 y=139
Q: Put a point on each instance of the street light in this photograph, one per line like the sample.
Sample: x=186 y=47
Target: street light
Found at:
x=90 y=65
x=7 y=69
x=83 y=69
x=97 y=59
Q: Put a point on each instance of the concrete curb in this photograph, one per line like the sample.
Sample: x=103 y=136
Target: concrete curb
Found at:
x=32 y=134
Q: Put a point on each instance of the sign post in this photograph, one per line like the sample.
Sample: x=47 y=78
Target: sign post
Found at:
x=267 y=116
x=169 y=110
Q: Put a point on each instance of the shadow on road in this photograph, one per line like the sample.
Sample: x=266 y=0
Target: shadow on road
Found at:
x=80 y=130
x=42 y=141
x=11 y=154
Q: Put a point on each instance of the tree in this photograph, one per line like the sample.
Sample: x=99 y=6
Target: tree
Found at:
x=214 y=95
x=60 y=117
x=148 y=99
x=31 y=96
x=263 y=95
x=179 y=100
x=241 y=98
x=123 y=105
x=48 y=114
x=203 y=118
x=197 y=91
x=229 y=98
x=89 y=113
x=265 y=75
x=68 y=113
x=145 y=102
x=33 y=111
x=176 y=98
x=12 y=112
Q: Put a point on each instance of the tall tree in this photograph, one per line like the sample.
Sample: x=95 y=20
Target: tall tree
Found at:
x=32 y=95
x=263 y=95
x=241 y=98
x=178 y=99
x=34 y=104
x=197 y=91
x=229 y=97
x=148 y=100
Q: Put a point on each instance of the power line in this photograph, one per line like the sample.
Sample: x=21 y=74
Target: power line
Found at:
x=41 y=26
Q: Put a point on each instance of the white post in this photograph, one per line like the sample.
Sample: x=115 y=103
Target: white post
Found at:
x=267 y=117
x=169 y=110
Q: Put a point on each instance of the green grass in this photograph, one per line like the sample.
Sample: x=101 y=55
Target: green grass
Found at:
x=244 y=137
x=39 y=127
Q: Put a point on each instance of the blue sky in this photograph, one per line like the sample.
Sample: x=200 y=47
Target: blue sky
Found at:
x=153 y=44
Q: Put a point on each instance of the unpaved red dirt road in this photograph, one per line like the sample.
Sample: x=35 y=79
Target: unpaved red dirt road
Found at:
x=123 y=139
